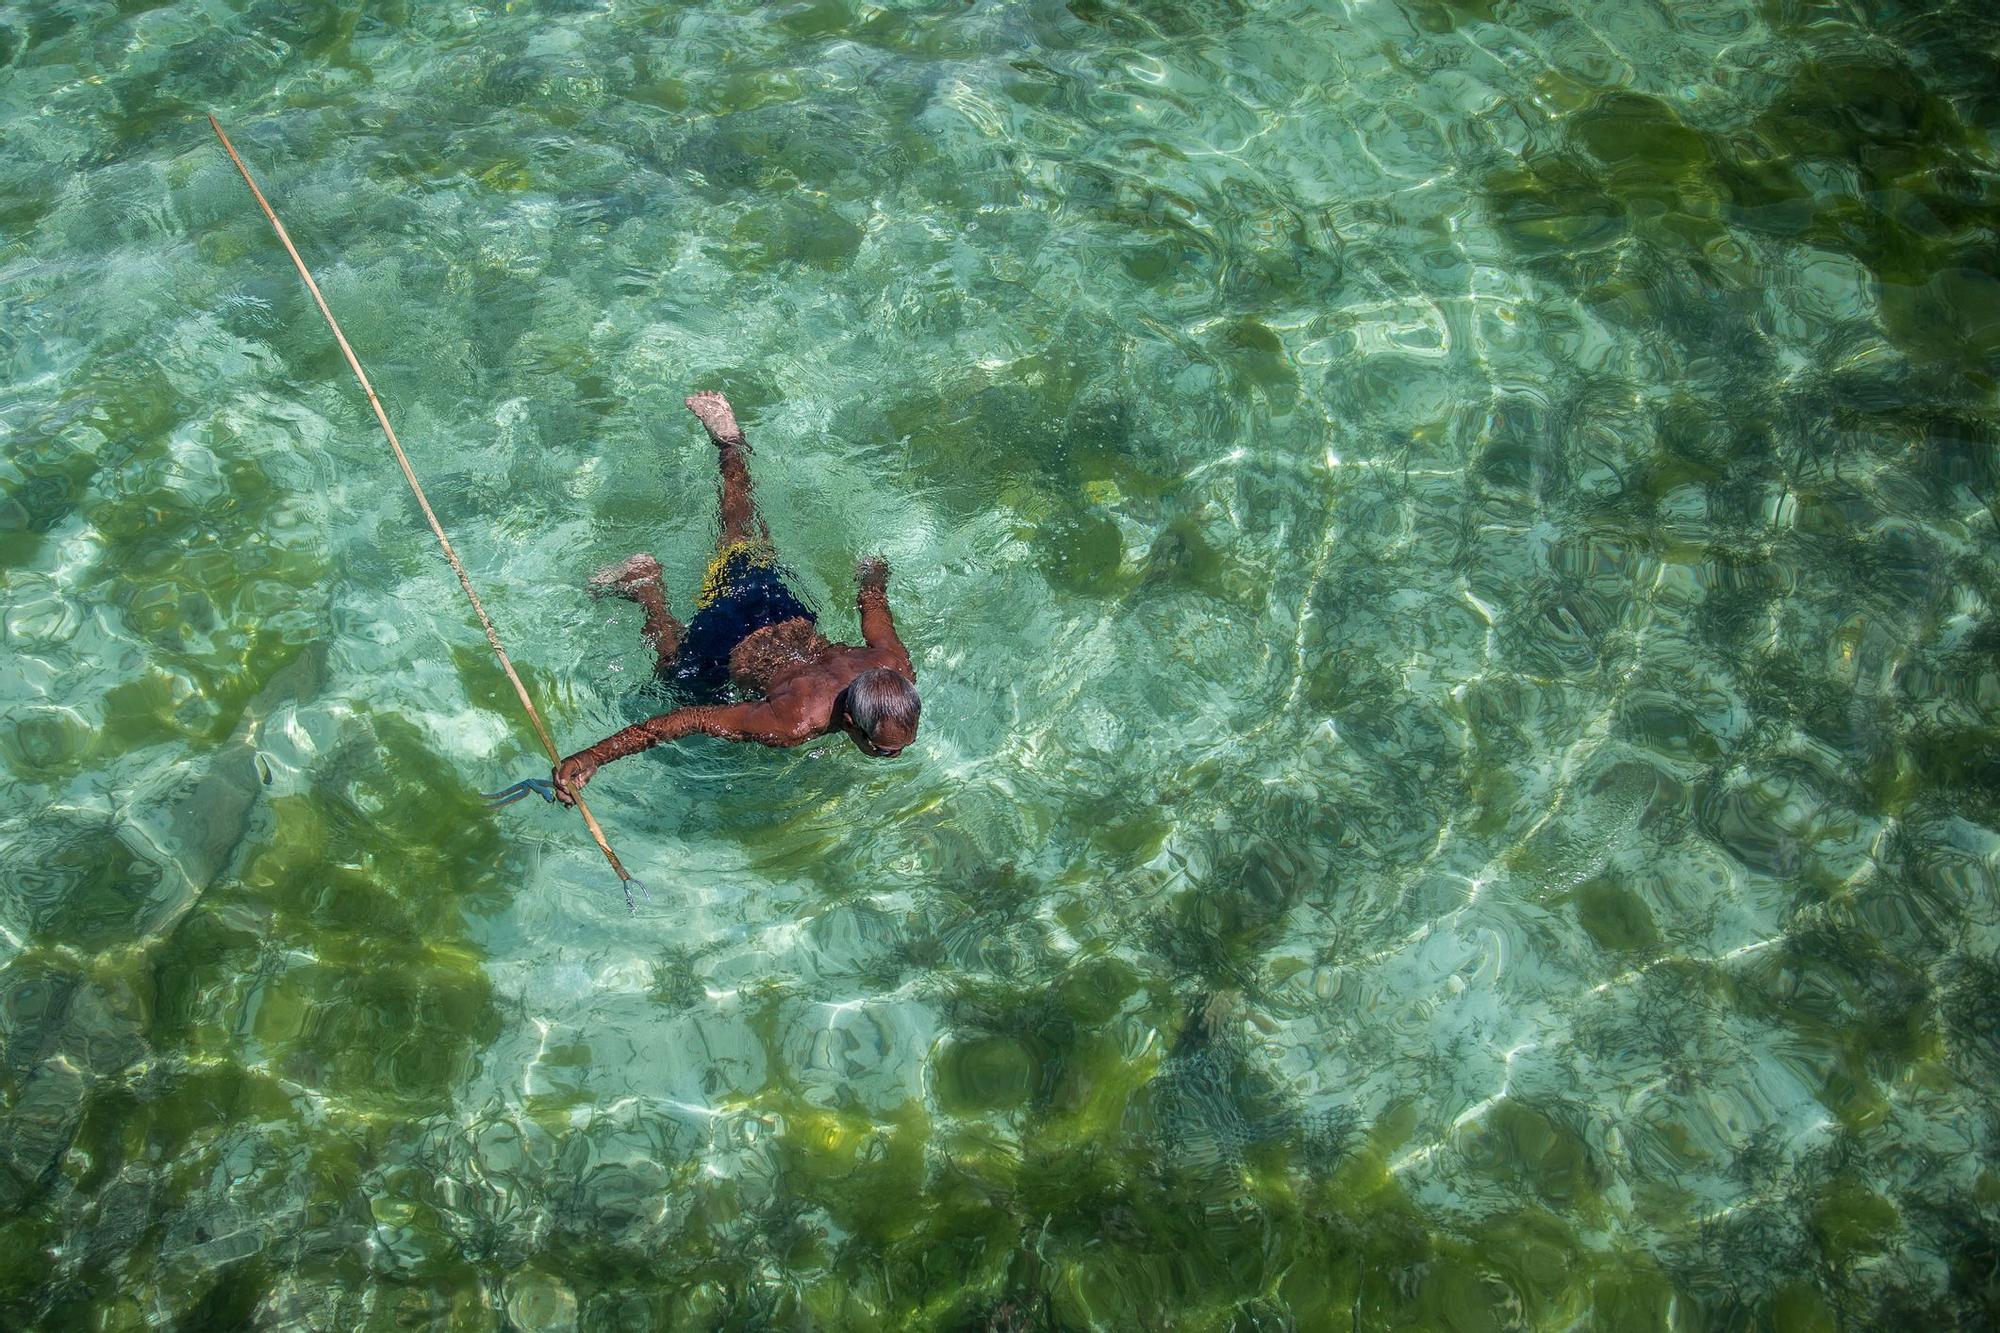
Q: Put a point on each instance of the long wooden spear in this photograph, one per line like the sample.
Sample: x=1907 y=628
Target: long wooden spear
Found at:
x=409 y=475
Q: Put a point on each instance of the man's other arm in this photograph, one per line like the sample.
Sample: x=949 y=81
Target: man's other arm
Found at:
x=878 y=627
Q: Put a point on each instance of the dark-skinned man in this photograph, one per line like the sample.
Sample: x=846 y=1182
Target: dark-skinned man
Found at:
x=749 y=630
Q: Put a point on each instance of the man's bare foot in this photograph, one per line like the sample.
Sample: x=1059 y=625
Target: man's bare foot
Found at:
x=714 y=413
x=630 y=578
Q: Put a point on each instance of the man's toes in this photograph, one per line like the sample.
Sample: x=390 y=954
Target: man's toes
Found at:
x=626 y=577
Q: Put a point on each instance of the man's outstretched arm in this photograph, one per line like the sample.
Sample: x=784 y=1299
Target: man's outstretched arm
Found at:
x=878 y=627
x=757 y=722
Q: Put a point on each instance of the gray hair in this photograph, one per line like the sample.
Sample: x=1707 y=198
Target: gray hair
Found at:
x=880 y=696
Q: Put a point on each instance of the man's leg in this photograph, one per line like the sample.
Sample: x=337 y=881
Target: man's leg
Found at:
x=740 y=520
x=637 y=579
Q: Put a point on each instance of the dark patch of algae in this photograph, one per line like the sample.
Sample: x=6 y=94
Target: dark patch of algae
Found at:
x=1074 y=458
x=327 y=958
x=1920 y=214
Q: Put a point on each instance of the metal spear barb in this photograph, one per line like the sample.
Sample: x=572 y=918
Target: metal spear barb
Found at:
x=409 y=475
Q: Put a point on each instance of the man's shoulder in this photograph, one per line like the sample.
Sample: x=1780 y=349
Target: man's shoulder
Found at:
x=803 y=703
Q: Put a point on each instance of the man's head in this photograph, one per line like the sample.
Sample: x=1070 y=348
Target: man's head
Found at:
x=882 y=709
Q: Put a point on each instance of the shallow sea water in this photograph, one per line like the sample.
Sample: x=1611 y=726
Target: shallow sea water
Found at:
x=1450 y=549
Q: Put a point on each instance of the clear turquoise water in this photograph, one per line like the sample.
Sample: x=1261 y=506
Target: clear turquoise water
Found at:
x=1451 y=550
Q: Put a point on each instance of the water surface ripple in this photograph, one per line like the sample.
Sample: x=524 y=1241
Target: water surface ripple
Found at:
x=1450 y=548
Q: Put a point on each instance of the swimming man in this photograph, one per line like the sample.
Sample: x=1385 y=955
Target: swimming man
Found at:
x=751 y=631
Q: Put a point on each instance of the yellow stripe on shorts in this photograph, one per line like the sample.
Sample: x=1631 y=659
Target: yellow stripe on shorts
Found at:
x=736 y=556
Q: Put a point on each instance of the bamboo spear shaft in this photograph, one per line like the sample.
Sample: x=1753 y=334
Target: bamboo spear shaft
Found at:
x=409 y=475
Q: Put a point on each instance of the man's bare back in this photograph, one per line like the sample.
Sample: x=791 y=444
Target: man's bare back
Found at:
x=749 y=629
